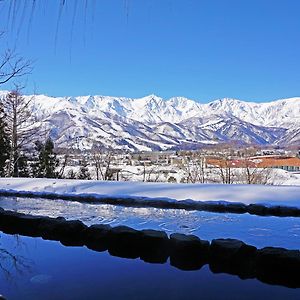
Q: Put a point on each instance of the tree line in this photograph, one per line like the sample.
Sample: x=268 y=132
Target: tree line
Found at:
x=22 y=153
x=23 y=150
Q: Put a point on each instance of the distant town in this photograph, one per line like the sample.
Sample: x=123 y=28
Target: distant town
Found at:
x=209 y=165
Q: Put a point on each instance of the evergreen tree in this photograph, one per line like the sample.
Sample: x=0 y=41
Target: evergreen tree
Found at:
x=23 y=166
x=4 y=143
x=47 y=161
x=35 y=169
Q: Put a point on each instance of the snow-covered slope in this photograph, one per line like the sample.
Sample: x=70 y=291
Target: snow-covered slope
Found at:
x=153 y=109
x=152 y=123
x=280 y=113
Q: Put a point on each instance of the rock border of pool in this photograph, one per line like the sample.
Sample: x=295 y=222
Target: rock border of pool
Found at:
x=210 y=206
x=186 y=252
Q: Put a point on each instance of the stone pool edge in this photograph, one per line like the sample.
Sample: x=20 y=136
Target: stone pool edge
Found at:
x=210 y=206
x=186 y=252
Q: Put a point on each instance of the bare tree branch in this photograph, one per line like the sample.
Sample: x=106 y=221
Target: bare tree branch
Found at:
x=12 y=66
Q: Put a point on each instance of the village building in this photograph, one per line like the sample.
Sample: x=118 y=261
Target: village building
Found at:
x=287 y=163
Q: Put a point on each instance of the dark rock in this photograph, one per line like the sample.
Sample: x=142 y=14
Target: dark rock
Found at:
x=279 y=266
x=290 y=211
x=124 y=242
x=284 y=211
x=28 y=225
x=274 y=211
x=48 y=227
x=188 y=252
x=8 y=221
x=97 y=237
x=232 y=256
x=280 y=258
x=154 y=246
x=228 y=249
x=257 y=209
x=70 y=233
x=236 y=208
x=216 y=207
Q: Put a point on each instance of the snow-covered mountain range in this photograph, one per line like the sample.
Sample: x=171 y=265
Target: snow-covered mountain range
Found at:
x=152 y=123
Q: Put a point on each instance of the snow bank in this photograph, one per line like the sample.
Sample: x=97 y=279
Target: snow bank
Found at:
x=216 y=193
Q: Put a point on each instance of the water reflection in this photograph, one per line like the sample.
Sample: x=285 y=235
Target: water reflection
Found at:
x=12 y=262
x=58 y=272
x=255 y=230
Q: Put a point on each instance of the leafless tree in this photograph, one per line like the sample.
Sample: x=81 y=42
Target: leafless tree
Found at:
x=194 y=167
x=11 y=263
x=151 y=174
x=63 y=164
x=71 y=174
x=103 y=158
x=252 y=174
x=22 y=128
x=225 y=170
x=12 y=65
x=150 y=171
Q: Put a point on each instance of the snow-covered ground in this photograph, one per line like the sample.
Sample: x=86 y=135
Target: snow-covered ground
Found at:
x=247 y=194
x=158 y=173
x=282 y=177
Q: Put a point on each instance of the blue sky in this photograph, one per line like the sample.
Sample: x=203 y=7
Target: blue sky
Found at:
x=203 y=50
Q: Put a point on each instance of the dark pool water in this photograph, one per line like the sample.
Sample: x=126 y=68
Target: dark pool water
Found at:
x=32 y=268
x=255 y=230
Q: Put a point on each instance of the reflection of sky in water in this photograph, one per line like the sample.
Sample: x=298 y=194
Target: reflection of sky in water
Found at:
x=259 y=231
x=53 y=271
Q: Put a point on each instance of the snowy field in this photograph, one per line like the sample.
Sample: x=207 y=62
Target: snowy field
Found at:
x=159 y=173
x=247 y=194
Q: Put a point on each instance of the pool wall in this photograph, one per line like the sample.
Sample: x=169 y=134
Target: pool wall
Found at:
x=210 y=206
x=186 y=252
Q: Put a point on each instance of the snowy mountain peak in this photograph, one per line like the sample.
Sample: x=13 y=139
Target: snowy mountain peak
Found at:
x=152 y=123
x=151 y=97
